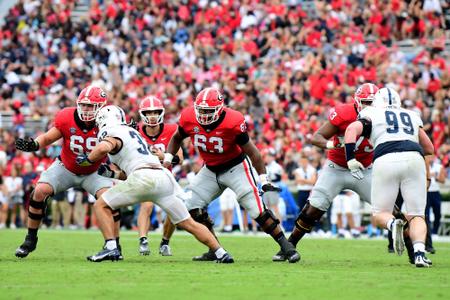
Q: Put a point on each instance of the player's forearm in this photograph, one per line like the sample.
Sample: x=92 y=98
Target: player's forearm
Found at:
x=48 y=138
x=319 y=140
x=352 y=131
x=174 y=144
x=100 y=151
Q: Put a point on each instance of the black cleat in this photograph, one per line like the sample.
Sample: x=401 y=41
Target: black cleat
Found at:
x=225 y=259
x=430 y=250
x=207 y=256
x=105 y=254
x=120 y=252
x=290 y=255
x=28 y=246
x=280 y=256
x=421 y=261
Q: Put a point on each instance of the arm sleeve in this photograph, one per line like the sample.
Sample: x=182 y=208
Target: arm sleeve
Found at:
x=242 y=138
x=182 y=132
x=367 y=127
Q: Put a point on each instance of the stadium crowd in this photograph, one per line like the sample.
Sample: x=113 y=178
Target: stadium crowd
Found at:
x=281 y=65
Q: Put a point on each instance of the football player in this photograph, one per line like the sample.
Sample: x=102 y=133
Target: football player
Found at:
x=400 y=144
x=143 y=178
x=334 y=177
x=76 y=127
x=220 y=135
x=157 y=134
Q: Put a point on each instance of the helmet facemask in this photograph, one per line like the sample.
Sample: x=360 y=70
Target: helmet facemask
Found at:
x=154 y=119
x=206 y=115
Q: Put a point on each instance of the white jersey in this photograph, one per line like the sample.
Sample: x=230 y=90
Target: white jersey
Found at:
x=134 y=152
x=391 y=125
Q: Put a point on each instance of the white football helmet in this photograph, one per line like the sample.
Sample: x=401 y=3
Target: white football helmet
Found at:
x=109 y=116
x=387 y=98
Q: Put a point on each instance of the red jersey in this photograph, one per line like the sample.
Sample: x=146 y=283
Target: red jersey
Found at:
x=77 y=139
x=160 y=141
x=342 y=116
x=219 y=142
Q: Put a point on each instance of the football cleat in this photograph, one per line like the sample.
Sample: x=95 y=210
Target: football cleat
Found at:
x=105 y=254
x=279 y=256
x=28 y=246
x=143 y=247
x=397 y=236
x=421 y=261
x=430 y=250
x=120 y=251
x=164 y=250
x=207 y=256
x=225 y=259
x=291 y=256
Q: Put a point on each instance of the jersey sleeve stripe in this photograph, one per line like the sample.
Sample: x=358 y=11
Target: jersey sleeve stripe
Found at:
x=252 y=183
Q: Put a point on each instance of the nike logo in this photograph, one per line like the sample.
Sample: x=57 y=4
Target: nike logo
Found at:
x=162 y=139
x=218 y=132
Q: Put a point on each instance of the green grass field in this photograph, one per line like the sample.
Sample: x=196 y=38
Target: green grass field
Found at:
x=329 y=269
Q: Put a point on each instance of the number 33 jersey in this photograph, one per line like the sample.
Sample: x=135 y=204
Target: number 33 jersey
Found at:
x=78 y=138
x=391 y=125
x=134 y=152
x=219 y=142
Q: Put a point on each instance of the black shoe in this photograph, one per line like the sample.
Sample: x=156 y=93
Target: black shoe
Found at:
x=105 y=254
x=225 y=259
x=280 y=256
x=119 y=247
x=292 y=256
x=391 y=250
x=409 y=249
x=208 y=256
x=421 y=260
x=430 y=250
x=29 y=245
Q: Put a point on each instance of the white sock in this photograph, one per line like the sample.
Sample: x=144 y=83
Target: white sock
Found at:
x=111 y=244
x=220 y=252
x=227 y=228
x=389 y=224
x=419 y=247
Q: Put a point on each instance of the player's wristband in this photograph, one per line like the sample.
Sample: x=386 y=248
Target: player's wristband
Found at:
x=168 y=157
x=350 y=151
x=330 y=145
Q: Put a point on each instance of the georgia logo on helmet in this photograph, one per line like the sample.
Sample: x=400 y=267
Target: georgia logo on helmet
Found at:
x=110 y=115
x=208 y=106
x=151 y=104
x=364 y=95
x=89 y=102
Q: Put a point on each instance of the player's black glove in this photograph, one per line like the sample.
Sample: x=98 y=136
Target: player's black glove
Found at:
x=83 y=160
x=106 y=171
x=133 y=124
x=266 y=185
x=27 y=145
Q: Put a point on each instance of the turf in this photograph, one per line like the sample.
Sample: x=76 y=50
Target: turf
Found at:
x=329 y=269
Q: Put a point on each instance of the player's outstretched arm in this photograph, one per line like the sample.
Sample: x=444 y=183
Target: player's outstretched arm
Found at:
x=40 y=142
x=255 y=157
x=321 y=138
x=173 y=148
x=425 y=142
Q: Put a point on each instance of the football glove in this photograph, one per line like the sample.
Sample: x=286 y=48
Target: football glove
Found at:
x=27 y=146
x=333 y=144
x=83 y=160
x=266 y=185
x=355 y=168
x=105 y=171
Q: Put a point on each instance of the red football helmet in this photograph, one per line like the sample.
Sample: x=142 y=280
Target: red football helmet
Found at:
x=151 y=103
x=208 y=106
x=89 y=102
x=364 y=95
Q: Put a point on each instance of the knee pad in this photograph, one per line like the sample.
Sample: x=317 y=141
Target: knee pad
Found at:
x=267 y=221
x=41 y=205
x=201 y=216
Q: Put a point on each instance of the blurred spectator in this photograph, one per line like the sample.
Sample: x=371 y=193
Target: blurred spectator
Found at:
x=274 y=172
x=60 y=211
x=346 y=206
x=227 y=204
x=3 y=203
x=13 y=184
x=434 y=199
x=305 y=178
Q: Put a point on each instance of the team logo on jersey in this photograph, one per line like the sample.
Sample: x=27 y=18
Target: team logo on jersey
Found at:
x=243 y=127
x=72 y=130
x=196 y=129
